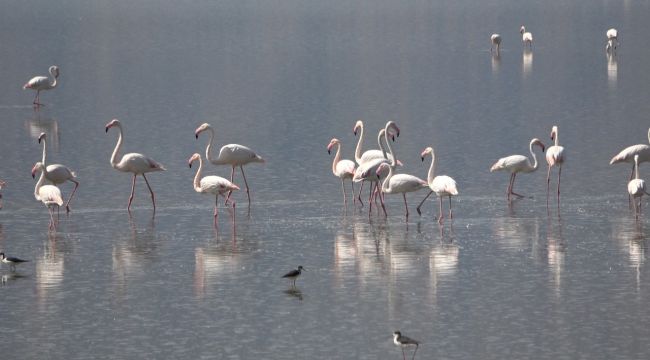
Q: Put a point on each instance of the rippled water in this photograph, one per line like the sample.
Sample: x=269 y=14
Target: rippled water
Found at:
x=284 y=77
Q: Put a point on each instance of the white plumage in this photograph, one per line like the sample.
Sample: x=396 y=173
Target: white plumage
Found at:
x=211 y=184
x=342 y=168
x=636 y=187
x=373 y=154
x=612 y=40
x=58 y=173
x=495 y=41
x=516 y=164
x=49 y=195
x=554 y=156
x=627 y=154
x=40 y=83
x=526 y=36
x=442 y=185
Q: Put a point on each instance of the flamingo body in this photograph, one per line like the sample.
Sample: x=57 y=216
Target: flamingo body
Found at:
x=627 y=154
x=526 y=36
x=58 y=173
x=342 y=168
x=612 y=40
x=515 y=164
x=554 y=157
x=636 y=188
x=212 y=184
x=495 y=39
x=49 y=195
x=442 y=185
x=40 y=83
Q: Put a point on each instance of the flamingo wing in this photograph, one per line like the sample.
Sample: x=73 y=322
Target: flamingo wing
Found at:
x=37 y=83
x=444 y=185
x=50 y=195
x=636 y=187
x=404 y=183
x=627 y=154
x=138 y=164
x=58 y=173
x=367 y=170
x=345 y=168
x=216 y=185
x=510 y=163
x=235 y=154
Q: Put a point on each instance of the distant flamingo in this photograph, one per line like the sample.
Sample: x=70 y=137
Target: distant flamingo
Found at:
x=627 y=154
x=442 y=185
x=636 y=187
x=516 y=164
x=212 y=184
x=135 y=163
x=40 y=83
x=612 y=40
x=344 y=169
x=49 y=195
x=554 y=156
x=231 y=154
x=57 y=173
x=526 y=37
x=496 y=42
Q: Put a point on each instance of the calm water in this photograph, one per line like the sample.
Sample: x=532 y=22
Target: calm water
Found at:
x=284 y=77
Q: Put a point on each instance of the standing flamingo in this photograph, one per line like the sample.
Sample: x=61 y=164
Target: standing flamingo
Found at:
x=39 y=83
x=516 y=164
x=612 y=40
x=495 y=42
x=627 y=154
x=49 y=195
x=57 y=173
x=212 y=184
x=636 y=187
x=135 y=163
x=344 y=169
x=526 y=36
x=554 y=156
x=442 y=185
x=231 y=154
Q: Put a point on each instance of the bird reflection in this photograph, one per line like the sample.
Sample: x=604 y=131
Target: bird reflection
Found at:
x=345 y=255
x=37 y=125
x=294 y=292
x=371 y=248
x=556 y=253
x=631 y=237
x=496 y=61
x=13 y=276
x=527 y=61
x=514 y=233
x=131 y=255
x=612 y=69
x=49 y=269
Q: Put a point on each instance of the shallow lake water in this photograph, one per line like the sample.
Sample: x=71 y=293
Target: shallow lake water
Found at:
x=500 y=281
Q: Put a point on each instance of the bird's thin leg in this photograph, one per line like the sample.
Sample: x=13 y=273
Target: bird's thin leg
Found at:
x=132 y=192
x=416 y=350
x=629 y=197
x=451 y=214
x=422 y=202
x=354 y=200
x=359 y=194
x=509 y=188
x=558 y=184
x=153 y=198
x=406 y=207
x=248 y=192
x=512 y=188
x=345 y=199
x=548 y=183
x=372 y=188
x=381 y=201
x=216 y=212
x=36 y=98
x=67 y=204
x=49 y=210
x=440 y=217
x=403 y=355
x=232 y=177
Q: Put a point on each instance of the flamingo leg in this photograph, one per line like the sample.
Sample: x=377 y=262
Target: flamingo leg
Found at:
x=509 y=188
x=248 y=192
x=512 y=187
x=558 y=184
x=381 y=199
x=132 y=192
x=37 y=98
x=359 y=194
x=345 y=199
x=629 y=197
x=440 y=217
x=232 y=178
x=354 y=200
x=422 y=202
x=406 y=207
x=216 y=212
x=51 y=225
x=67 y=204
x=416 y=350
x=153 y=198
x=451 y=214
x=548 y=182
x=372 y=188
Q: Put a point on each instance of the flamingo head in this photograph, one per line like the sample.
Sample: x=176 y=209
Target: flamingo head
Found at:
x=200 y=129
x=425 y=152
x=522 y=29
x=539 y=143
x=193 y=158
x=357 y=126
x=392 y=129
x=333 y=142
x=381 y=169
x=553 y=133
x=113 y=122
x=37 y=167
x=54 y=70
x=41 y=137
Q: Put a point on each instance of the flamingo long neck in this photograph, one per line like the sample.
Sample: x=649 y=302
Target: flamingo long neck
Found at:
x=208 y=149
x=337 y=158
x=557 y=142
x=648 y=135
x=382 y=133
x=390 y=149
x=534 y=156
x=44 y=151
x=357 y=151
x=385 y=186
x=432 y=168
x=197 y=177
x=54 y=82
x=118 y=146
x=39 y=183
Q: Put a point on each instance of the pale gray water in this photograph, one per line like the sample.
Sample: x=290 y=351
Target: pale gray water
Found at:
x=284 y=77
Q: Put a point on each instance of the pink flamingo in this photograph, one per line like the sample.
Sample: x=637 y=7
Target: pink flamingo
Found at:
x=554 y=156
x=343 y=169
x=231 y=154
x=40 y=83
x=49 y=195
x=516 y=164
x=636 y=188
x=135 y=163
x=442 y=185
x=212 y=184
x=57 y=173
x=627 y=154
x=526 y=37
x=612 y=40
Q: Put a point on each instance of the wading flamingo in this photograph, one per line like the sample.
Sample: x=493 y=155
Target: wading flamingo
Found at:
x=526 y=37
x=40 y=83
x=612 y=40
x=212 y=184
x=554 y=156
x=231 y=154
x=442 y=185
x=343 y=169
x=627 y=154
x=57 y=173
x=636 y=187
x=135 y=163
x=49 y=195
x=516 y=164
x=495 y=42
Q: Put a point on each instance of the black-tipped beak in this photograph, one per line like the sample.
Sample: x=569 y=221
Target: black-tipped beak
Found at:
x=190 y=165
x=393 y=137
x=355 y=133
x=422 y=157
x=33 y=175
x=196 y=136
x=329 y=151
x=107 y=129
x=39 y=140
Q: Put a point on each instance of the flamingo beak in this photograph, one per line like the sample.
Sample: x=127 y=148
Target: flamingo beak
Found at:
x=329 y=151
x=422 y=157
x=235 y=187
x=196 y=135
x=107 y=127
x=190 y=164
x=33 y=173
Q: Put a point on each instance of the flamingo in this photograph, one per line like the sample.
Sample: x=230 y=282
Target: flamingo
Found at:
x=212 y=184
x=135 y=163
x=496 y=42
x=554 y=156
x=57 y=173
x=516 y=164
x=49 y=195
x=612 y=40
x=627 y=154
x=526 y=36
x=231 y=154
x=344 y=169
x=442 y=185
x=39 y=83
x=636 y=187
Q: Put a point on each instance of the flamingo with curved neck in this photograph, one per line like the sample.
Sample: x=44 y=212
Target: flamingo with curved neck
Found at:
x=57 y=173
x=636 y=188
x=627 y=154
x=516 y=164
x=343 y=169
x=212 y=184
x=49 y=195
x=40 y=83
x=442 y=185
x=135 y=163
x=554 y=156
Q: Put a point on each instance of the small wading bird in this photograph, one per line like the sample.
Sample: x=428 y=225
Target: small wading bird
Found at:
x=404 y=341
x=231 y=154
x=135 y=163
x=554 y=156
x=57 y=173
x=612 y=40
x=212 y=184
x=40 y=83
x=49 y=195
x=516 y=164
x=495 y=41
x=636 y=188
x=293 y=274
x=12 y=261
x=342 y=168
x=442 y=185
x=526 y=37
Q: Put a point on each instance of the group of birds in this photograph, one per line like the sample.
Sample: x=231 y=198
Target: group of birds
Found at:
x=527 y=40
